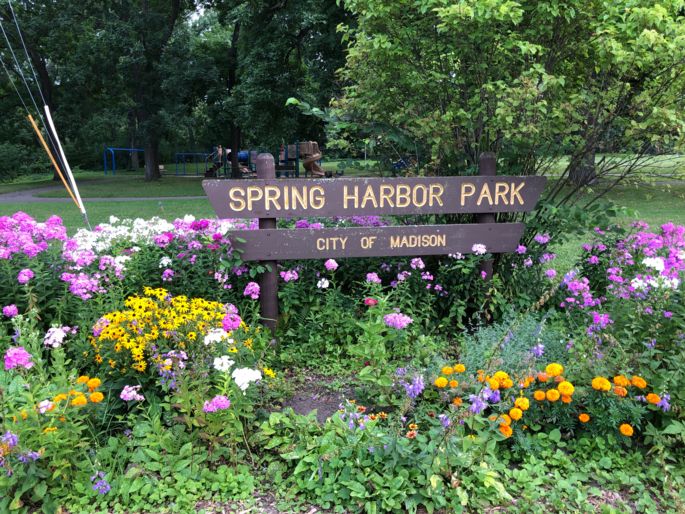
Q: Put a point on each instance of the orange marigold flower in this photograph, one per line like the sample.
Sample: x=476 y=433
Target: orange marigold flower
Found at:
x=453 y=383
x=566 y=388
x=506 y=430
x=543 y=377
x=620 y=391
x=506 y=420
x=494 y=384
x=516 y=413
x=79 y=401
x=566 y=398
x=553 y=395
x=493 y=417
x=459 y=368
x=507 y=383
x=440 y=382
x=621 y=380
x=584 y=417
x=500 y=376
x=96 y=397
x=653 y=398
x=447 y=370
x=539 y=395
x=559 y=379
x=626 y=430
x=411 y=434
x=522 y=403
x=93 y=384
x=82 y=379
x=638 y=382
x=554 y=369
x=59 y=398
x=457 y=401
x=601 y=384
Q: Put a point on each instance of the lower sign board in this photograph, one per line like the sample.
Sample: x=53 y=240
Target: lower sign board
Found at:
x=275 y=244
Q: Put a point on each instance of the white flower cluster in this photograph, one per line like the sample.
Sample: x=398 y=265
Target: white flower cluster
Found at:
x=216 y=335
x=243 y=377
x=660 y=282
x=223 y=363
x=656 y=263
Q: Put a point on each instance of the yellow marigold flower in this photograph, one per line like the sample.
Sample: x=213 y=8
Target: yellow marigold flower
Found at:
x=554 y=369
x=500 y=376
x=459 y=368
x=453 y=383
x=626 y=430
x=506 y=430
x=269 y=372
x=583 y=417
x=621 y=380
x=638 y=382
x=457 y=401
x=601 y=384
x=96 y=397
x=507 y=383
x=539 y=395
x=620 y=391
x=447 y=370
x=59 y=398
x=553 y=395
x=566 y=388
x=522 y=403
x=79 y=401
x=566 y=398
x=440 y=382
x=494 y=384
x=653 y=398
x=82 y=379
x=47 y=430
x=93 y=384
x=515 y=413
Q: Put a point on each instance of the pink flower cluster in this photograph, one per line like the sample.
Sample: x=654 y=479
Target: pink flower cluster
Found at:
x=219 y=402
x=131 y=394
x=21 y=234
x=397 y=320
x=17 y=357
x=290 y=275
x=252 y=290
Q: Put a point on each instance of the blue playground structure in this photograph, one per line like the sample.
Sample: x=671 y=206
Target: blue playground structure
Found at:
x=110 y=150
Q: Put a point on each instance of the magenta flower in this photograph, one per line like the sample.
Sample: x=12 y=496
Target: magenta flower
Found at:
x=10 y=310
x=521 y=250
x=252 y=290
x=219 y=402
x=373 y=278
x=16 y=357
x=130 y=393
x=542 y=239
x=24 y=276
x=231 y=322
x=331 y=265
x=551 y=273
x=289 y=275
x=167 y=275
x=397 y=320
x=417 y=263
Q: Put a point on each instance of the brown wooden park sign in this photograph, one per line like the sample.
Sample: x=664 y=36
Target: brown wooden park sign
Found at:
x=268 y=198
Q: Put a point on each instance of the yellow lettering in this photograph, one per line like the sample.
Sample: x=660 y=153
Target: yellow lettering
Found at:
x=320 y=244
x=515 y=192
x=316 y=201
x=402 y=196
x=343 y=241
x=254 y=194
x=501 y=190
x=394 y=241
x=467 y=189
x=386 y=195
x=286 y=198
x=271 y=195
x=236 y=195
x=369 y=196
x=300 y=196
x=354 y=197
x=436 y=191
x=485 y=193
x=415 y=196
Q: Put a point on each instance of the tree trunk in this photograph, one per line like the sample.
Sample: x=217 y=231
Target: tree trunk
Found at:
x=152 y=159
x=132 y=131
x=585 y=173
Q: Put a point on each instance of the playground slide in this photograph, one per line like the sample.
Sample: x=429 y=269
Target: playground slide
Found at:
x=312 y=166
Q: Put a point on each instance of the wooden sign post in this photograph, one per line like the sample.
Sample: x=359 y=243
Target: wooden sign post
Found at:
x=268 y=198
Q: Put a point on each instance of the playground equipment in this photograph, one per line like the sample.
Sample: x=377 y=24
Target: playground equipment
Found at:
x=110 y=150
x=289 y=157
x=246 y=161
x=312 y=156
x=196 y=158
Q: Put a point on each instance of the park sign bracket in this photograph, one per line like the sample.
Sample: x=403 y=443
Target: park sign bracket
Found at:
x=267 y=198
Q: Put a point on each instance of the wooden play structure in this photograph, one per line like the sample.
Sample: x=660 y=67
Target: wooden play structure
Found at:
x=289 y=158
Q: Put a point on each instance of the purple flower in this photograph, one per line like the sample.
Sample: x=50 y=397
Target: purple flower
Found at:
x=17 y=356
x=483 y=275
x=415 y=388
x=528 y=262
x=542 y=239
x=231 y=322
x=551 y=273
x=252 y=290
x=668 y=314
x=100 y=484
x=521 y=249
x=444 y=420
x=167 y=275
x=130 y=393
x=491 y=396
x=397 y=320
x=417 y=263
x=10 y=439
x=24 y=276
x=28 y=457
x=373 y=278
x=10 y=310
x=664 y=403
x=593 y=259
x=331 y=265
x=651 y=344
x=477 y=404
x=538 y=350
x=219 y=402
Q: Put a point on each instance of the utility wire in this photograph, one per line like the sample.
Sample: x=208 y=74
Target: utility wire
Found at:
x=26 y=52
